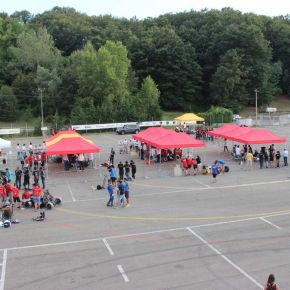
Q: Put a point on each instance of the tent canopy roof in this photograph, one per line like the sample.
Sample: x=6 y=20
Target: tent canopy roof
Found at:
x=149 y=133
x=69 y=142
x=223 y=129
x=260 y=136
x=189 y=117
x=4 y=143
x=176 y=140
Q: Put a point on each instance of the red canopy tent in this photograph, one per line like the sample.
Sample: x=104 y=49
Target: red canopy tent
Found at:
x=260 y=136
x=234 y=134
x=69 y=142
x=223 y=129
x=175 y=140
x=150 y=133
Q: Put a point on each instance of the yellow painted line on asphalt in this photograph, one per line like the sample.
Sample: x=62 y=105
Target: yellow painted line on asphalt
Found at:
x=176 y=219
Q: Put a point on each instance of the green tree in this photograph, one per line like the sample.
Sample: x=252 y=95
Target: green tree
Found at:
x=229 y=82
x=36 y=48
x=149 y=107
x=8 y=101
x=84 y=111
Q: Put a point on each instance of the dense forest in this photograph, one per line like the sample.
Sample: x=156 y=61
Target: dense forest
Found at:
x=101 y=69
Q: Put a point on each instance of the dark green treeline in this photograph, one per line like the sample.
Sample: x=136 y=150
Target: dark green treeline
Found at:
x=103 y=69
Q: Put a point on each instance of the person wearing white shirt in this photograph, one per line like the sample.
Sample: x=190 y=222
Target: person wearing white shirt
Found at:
x=285 y=157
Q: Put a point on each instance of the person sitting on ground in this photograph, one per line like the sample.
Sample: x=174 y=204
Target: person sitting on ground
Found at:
x=26 y=195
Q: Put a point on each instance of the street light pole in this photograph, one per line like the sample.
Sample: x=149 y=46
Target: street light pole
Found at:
x=256 y=95
x=41 y=108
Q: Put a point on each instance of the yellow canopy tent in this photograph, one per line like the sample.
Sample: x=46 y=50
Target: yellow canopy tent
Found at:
x=189 y=117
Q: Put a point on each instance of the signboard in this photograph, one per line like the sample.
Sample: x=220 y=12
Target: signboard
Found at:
x=43 y=129
x=10 y=131
x=117 y=125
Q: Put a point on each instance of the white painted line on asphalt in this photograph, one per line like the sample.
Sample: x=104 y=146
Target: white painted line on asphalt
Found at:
x=201 y=183
x=3 y=272
x=206 y=187
x=125 y=277
x=214 y=249
x=138 y=234
x=270 y=223
x=108 y=247
x=70 y=191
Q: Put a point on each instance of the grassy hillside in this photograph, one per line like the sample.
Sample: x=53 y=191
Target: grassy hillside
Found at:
x=282 y=104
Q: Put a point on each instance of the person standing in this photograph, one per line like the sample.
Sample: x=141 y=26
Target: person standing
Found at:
x=226 y=145
x=285 y=157
x=9 y=175
x=112 y=155
x=133 y=168
x=16 y=198
x=18 y=175
x=278 y=156
x=26 y=177
x=113 y=174
x=35 y=174
x=36 y=192
x=127 y=170
x=121 y=193
x=271 y=285
x=126 y=189
x=249 y=160
x=42 y=176
x=121 y=170
x=81 y=160
x=214 y=171
x=261 y=159
x=110 y=190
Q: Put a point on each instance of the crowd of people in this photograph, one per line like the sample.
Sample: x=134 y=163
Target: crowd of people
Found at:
x=27 y=176
x=267 y=158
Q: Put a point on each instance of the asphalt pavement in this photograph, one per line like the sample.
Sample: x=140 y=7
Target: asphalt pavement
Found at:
x=179 y=232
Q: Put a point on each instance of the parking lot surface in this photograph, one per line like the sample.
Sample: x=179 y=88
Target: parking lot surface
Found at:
x=179 y=232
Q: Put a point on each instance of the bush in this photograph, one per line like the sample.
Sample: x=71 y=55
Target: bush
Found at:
x=217 y=115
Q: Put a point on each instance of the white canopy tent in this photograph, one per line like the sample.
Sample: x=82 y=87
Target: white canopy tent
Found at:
x=4 y=144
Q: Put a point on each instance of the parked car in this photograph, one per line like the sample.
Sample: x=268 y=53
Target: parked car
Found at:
x=128 y=129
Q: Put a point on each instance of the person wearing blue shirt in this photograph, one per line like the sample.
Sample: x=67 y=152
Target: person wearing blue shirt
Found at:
x=9 y=175
x=110 y=190
x=113 y=174
x=126 y=189
x=214 y=170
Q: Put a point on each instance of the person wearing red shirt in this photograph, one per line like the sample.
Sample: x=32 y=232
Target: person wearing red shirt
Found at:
x=15 y=193
x=26 y=195
x=36 y=192
x=3 y=193
x=9 y=190
x=43 y=159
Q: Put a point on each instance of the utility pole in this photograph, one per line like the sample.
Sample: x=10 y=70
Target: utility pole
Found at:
x=256 y=95
x=41 y=108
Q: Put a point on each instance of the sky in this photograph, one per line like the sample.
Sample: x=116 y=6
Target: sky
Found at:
x=146 y=8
